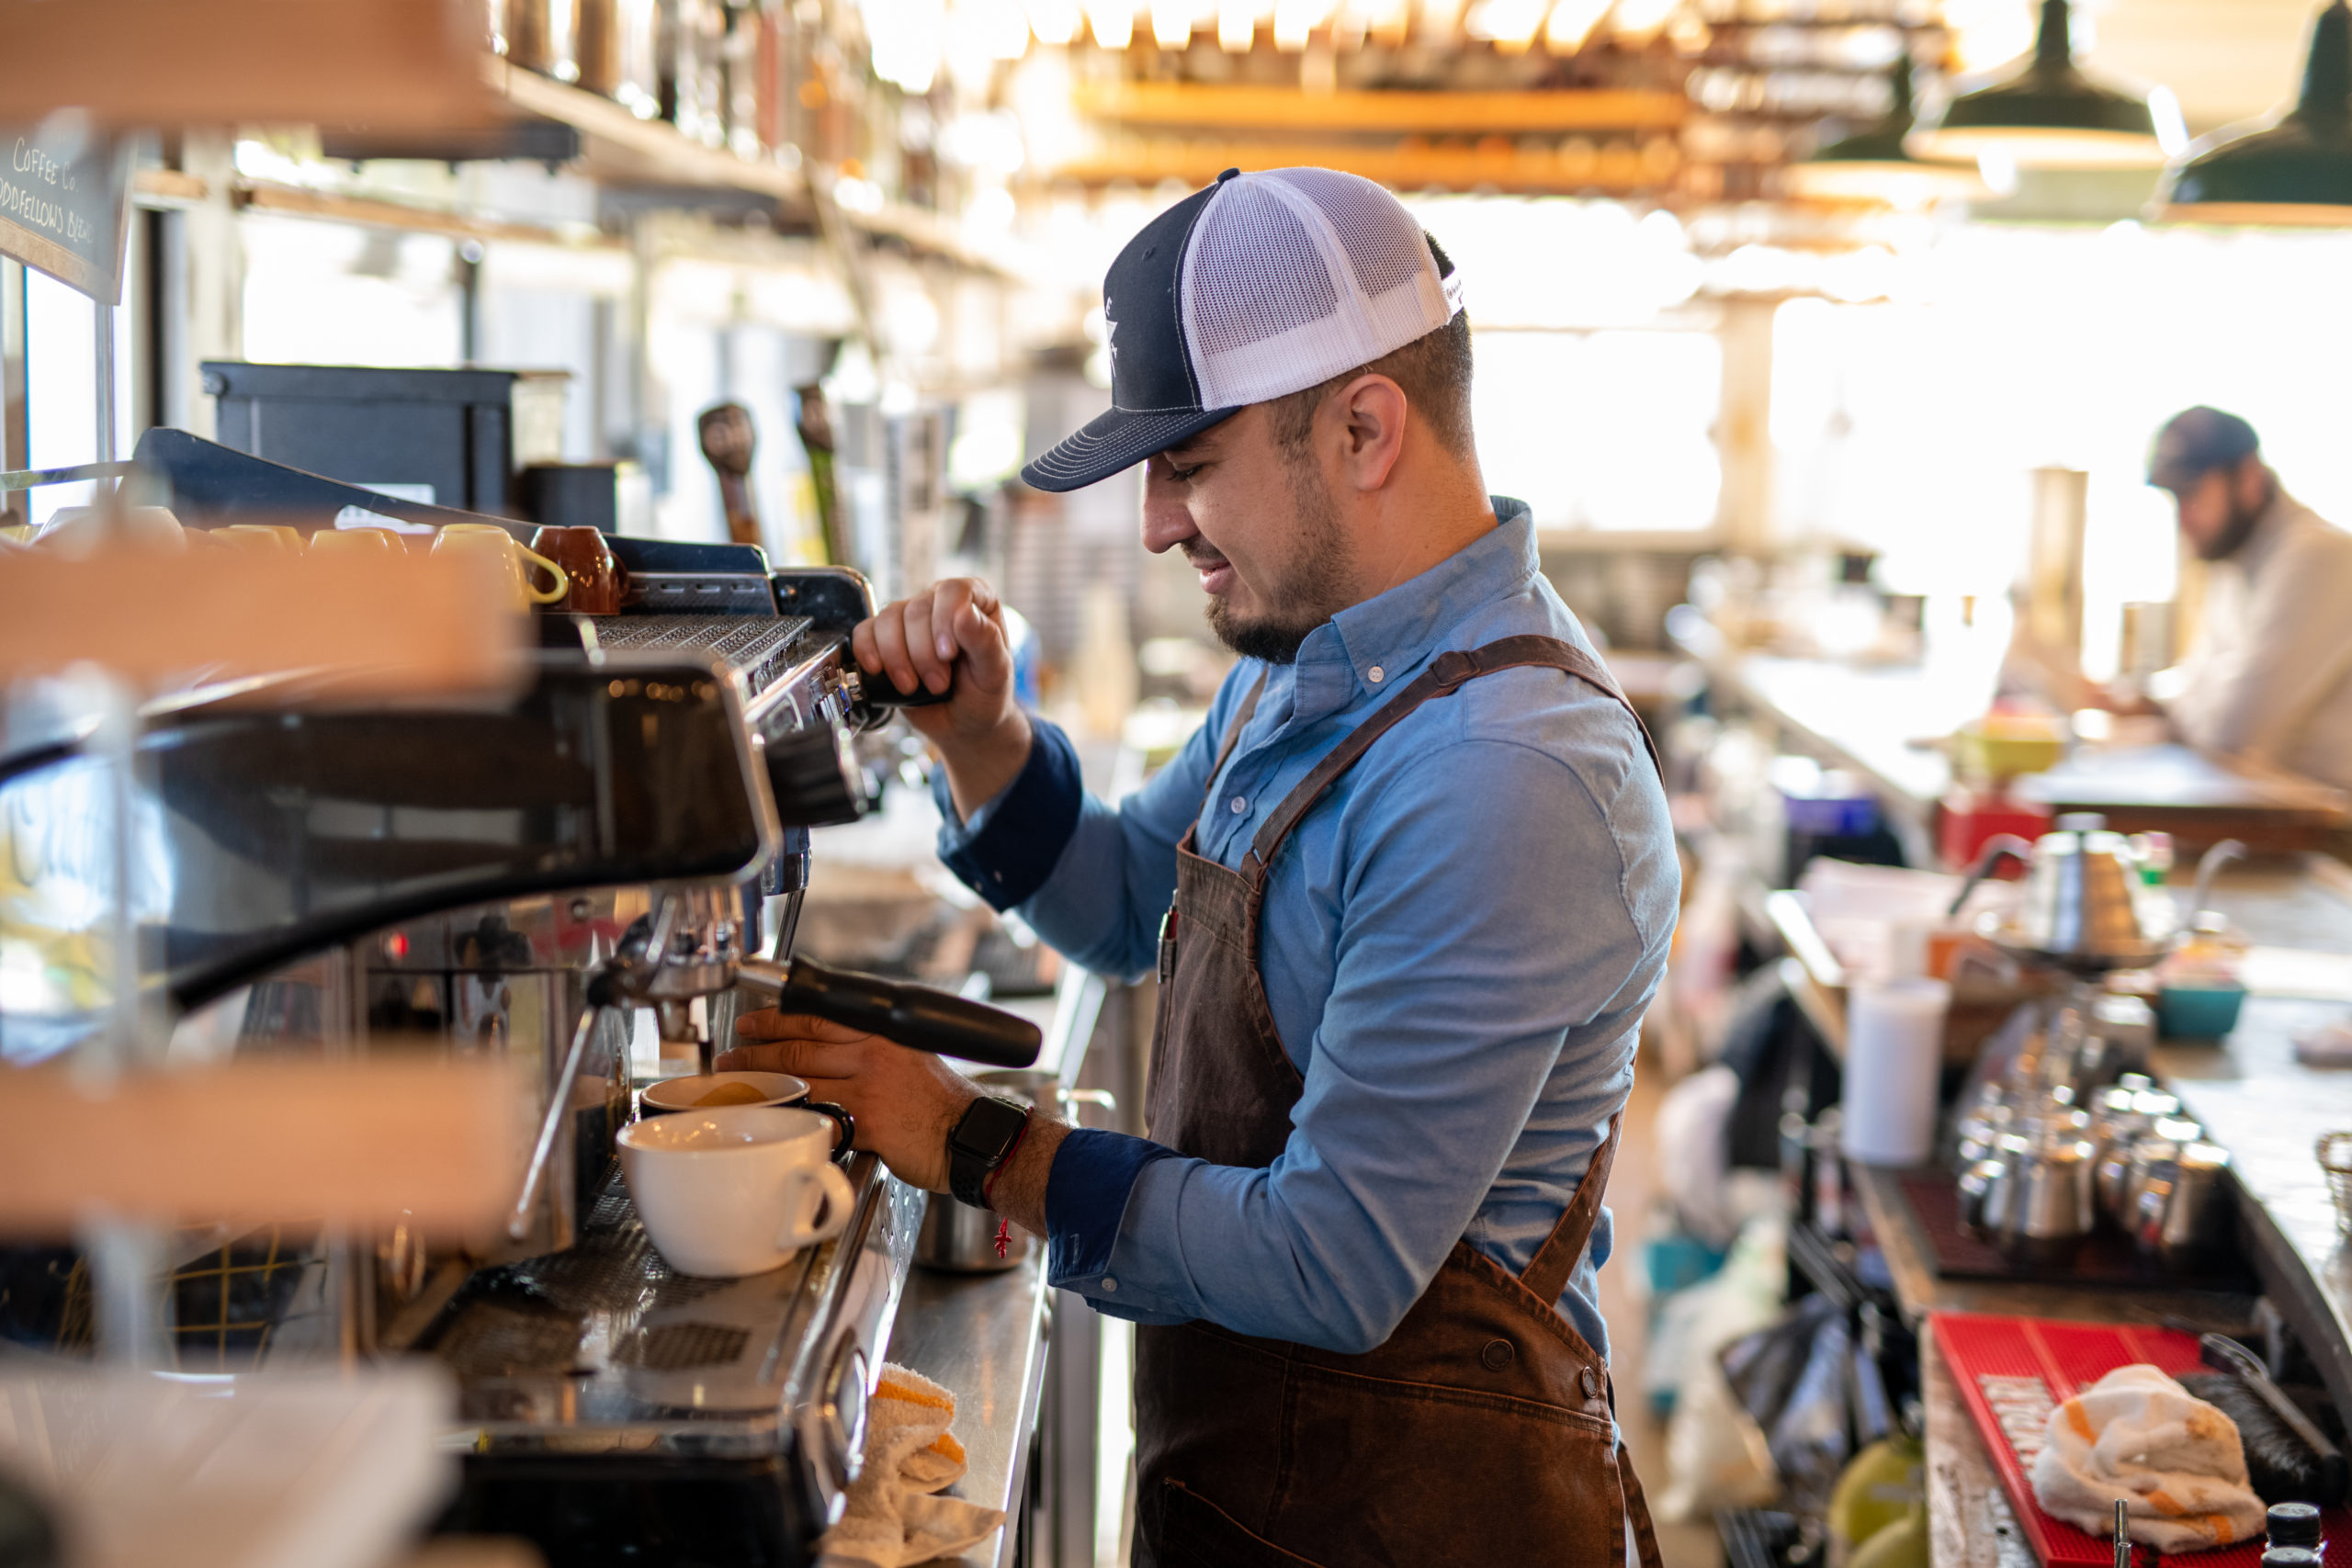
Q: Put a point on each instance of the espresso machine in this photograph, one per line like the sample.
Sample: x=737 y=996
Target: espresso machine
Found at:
x=614 y=853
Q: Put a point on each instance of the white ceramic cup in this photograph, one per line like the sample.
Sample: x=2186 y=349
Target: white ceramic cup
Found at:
x=735 y=1191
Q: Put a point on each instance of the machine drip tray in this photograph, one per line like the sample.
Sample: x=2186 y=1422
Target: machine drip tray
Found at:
x=603 y=1345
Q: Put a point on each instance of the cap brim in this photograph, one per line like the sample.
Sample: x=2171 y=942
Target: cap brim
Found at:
x=1115 y=440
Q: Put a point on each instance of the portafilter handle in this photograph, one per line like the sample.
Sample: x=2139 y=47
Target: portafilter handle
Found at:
x=914 y=1015
x=879 y=691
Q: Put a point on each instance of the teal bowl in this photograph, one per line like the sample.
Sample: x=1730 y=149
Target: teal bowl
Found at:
x=2199 y=1012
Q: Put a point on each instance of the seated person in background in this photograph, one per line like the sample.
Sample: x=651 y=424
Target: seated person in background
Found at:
x=2269 y=681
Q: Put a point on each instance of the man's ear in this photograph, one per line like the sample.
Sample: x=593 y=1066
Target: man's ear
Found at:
x=1372 y=411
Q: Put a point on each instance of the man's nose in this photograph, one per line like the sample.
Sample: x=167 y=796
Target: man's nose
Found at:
x=1166 y=523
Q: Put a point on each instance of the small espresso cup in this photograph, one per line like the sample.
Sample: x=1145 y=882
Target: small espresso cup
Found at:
x=736 y=1191
x=490 y=539
x=671 y=1095
x=271 y=537
x=599 y=582
x=375 y=543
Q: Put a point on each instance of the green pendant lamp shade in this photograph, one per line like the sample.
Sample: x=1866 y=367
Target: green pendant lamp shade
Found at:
x=2046 y=114
x=1873 y=166
x=2296 y=169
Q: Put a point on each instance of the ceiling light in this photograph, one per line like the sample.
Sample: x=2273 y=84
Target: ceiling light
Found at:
x=2293 y=168
x=2046 y=113
x=1571 y=22
x=1054 y=21
x=1236 y=26
x=1295 y=21
x=1112 y=22
x=1874 y=165
x=1171 y=23
x=1509 y=24
x=1638 y=21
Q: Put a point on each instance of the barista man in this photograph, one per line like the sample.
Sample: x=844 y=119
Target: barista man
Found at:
x=2270 y=678
x=1424 y=886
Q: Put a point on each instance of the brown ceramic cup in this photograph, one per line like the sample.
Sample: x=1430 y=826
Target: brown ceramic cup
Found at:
x=599 y=582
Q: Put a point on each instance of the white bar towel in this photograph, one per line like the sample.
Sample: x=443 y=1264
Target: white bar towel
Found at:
x=893 y=1518
x=2174 y=1461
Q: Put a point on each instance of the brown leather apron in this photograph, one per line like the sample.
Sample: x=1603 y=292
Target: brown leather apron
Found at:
x=1479 y=1432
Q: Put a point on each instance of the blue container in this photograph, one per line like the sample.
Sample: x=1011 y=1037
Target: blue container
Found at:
x=2199 y=1012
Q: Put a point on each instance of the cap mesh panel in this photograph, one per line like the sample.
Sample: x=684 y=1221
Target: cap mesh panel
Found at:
x=1296 y=276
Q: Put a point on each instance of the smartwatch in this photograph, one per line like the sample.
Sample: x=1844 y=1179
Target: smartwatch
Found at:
x=979 y=1144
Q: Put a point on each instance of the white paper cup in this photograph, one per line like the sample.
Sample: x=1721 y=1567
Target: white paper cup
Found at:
x=736 y=1190
x=1895 y=1038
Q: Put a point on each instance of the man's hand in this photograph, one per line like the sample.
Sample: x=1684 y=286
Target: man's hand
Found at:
x=958 y=625
x=906 y=1102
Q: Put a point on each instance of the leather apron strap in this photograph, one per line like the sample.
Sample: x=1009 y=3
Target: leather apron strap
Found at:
x=1446 y=674
x=1547 y=1272
x=1241 y=721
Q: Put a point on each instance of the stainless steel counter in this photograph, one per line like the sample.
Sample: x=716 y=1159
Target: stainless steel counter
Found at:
x=982 y=1338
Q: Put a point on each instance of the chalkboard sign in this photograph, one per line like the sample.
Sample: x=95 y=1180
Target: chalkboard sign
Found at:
x=65 y=204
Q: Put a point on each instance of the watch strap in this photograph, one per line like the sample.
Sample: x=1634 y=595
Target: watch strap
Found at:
x=984 y=1136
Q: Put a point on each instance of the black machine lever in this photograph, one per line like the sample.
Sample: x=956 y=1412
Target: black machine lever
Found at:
x=915 y=1016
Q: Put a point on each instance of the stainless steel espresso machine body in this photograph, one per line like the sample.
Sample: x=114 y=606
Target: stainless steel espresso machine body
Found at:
x=550 y=877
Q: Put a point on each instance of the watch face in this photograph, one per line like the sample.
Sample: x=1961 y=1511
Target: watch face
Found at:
x=988 y=1126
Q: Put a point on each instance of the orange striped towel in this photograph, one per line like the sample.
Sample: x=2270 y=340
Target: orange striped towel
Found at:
x=2173 y=1461
x=894 y=1515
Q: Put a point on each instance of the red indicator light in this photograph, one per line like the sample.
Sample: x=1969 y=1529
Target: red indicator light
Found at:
x=396 y=945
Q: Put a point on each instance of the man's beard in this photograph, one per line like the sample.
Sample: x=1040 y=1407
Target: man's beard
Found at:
x=2234 y=533
x=1316 y=587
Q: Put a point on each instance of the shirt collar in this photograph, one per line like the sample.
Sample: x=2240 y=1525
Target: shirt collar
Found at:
x=1394 y=631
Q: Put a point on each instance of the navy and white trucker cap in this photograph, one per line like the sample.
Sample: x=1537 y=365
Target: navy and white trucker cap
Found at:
x=1260 y=285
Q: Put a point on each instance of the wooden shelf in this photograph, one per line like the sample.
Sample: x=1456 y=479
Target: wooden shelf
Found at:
x=1614 y=171
x=619 y=147
x=1398 y=113
x=167 y=188
x=301 y=202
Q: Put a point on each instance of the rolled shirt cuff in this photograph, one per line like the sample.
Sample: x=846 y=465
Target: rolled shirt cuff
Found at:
x=1011 y=844
x=1087 y=1198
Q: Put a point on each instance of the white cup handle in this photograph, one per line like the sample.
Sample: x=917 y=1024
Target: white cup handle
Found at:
x=824 y=1207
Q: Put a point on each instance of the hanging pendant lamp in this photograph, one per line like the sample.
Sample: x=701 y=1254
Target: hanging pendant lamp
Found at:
x=2294 y=169
x=1873 y=166
x=2046 y=114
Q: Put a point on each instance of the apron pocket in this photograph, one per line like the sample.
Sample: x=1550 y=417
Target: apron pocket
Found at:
x=1197 y=1533
x=1395 y=1474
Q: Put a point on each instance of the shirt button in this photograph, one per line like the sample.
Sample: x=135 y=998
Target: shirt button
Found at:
x=1590 y=1380
x=1109 y=1283
x=1377 y=675
x=1240 y=804
x=1498 y=1355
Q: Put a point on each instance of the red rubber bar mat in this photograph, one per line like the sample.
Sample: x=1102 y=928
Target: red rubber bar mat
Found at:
x=2006 y=1367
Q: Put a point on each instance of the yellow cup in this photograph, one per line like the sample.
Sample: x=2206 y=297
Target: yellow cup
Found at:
x=373 y=543
x=275 y=536
x=488 y=538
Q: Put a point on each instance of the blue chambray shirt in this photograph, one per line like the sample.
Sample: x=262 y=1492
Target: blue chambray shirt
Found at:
x=1458 y=945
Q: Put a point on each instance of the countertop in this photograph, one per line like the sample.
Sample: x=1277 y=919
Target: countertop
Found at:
x=982 y=1338
x=1871 y=720
x=2256 y=1100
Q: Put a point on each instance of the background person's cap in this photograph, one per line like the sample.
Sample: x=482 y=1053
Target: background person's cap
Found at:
x=1260 y=285
x=2195 y=442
